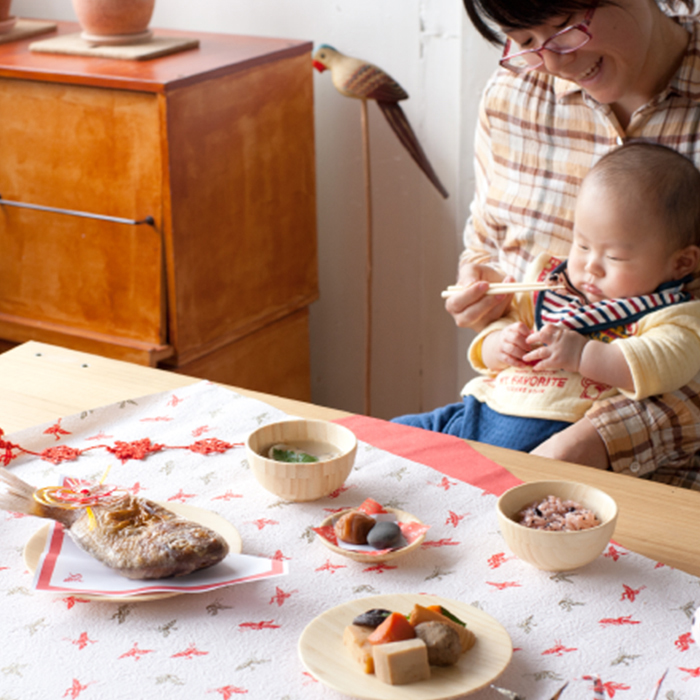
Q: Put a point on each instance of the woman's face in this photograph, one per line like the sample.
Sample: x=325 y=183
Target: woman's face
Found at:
x=614 y=65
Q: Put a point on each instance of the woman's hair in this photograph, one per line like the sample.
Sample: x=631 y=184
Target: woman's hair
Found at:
x=664 y=179
x=488 y=16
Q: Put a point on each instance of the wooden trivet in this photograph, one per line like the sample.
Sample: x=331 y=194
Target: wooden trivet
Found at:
x=73 y=44
x=26 y=28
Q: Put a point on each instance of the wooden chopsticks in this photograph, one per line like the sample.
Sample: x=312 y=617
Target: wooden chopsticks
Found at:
x=506 y=288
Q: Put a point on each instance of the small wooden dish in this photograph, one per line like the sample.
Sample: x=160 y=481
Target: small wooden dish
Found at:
x=322 y=652
x=366 y=557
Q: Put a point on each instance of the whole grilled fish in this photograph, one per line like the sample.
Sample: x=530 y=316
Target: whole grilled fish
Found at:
x=133 y=536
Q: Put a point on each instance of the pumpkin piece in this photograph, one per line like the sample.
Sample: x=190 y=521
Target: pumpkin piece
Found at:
x=395 y=628
x=421 y=614
x=399 y=663
x=447 y=614
x=355 y=639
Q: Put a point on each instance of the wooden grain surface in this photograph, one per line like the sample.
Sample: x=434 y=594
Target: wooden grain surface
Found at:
x=217 y=55
x=91 y=150
x=217 y=145
x=39 y=383
x=241 y=249
x=274 y=358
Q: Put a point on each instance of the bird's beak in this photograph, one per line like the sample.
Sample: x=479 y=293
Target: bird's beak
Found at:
x=319 y=66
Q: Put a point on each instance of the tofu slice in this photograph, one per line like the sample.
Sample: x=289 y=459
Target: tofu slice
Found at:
x=355 y=639
x=399 y=663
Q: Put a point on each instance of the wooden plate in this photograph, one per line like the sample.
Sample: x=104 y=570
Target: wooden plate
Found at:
x=35 y=546
x=322 y=652
x=365 y=557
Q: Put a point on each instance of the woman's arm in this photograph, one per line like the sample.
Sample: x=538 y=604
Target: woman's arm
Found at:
x=483 y=238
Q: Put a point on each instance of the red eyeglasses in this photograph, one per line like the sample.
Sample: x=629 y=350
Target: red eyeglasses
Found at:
x=567 y=40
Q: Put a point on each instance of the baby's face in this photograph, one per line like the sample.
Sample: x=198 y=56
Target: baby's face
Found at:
x=620 y=248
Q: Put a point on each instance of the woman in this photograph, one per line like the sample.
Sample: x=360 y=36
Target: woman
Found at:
x=577 y=79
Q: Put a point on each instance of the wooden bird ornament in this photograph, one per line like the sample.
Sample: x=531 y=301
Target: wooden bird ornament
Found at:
x=353 y=77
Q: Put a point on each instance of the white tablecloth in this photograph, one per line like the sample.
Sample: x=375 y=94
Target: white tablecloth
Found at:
x=624 y=618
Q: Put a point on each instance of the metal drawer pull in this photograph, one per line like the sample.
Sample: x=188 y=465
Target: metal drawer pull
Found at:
x=86 y=215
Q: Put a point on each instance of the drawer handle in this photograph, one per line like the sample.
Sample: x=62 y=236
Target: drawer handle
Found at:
x=84 y=214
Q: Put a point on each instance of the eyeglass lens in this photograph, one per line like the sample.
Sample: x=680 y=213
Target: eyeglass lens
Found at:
x=568 y=41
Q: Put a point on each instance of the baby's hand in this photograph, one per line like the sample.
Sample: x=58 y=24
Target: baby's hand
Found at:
x=513 y=344
x=559 y=348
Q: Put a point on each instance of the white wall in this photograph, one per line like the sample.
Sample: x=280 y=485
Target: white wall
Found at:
x=431 y=50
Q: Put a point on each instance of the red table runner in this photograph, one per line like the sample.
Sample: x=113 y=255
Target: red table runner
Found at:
x=449 y=455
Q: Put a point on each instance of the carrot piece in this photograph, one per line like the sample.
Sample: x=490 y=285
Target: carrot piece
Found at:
x=394 y=629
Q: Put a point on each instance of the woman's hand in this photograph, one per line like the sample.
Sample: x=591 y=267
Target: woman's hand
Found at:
x=471 y=308
x=559 y=348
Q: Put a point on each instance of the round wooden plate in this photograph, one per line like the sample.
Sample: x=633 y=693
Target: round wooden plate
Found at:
x=35 y=546
x=366 y=557
x=322 y=652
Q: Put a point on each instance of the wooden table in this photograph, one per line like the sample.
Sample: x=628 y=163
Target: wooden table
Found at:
x=39 y=383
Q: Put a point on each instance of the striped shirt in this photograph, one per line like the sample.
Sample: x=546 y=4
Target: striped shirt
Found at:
x=536 y=139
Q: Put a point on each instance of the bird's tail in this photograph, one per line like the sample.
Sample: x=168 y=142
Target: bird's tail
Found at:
x=399 y=124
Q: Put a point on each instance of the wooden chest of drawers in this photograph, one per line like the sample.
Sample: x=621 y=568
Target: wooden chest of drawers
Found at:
x=216 y=145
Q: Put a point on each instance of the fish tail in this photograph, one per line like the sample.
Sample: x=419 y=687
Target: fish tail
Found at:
x=17 y=496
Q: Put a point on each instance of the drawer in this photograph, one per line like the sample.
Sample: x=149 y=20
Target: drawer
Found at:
x=87 y=149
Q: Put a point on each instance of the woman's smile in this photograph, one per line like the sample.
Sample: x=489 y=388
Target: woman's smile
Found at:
x=590 y=73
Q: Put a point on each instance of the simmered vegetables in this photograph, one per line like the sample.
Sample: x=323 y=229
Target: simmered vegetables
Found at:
x=400 y=648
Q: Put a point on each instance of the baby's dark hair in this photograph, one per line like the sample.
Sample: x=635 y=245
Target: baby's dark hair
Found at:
x=488 y=16
x=660 y=176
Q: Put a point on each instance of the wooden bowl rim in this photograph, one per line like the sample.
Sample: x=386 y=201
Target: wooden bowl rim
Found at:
x=607 y=522
x=349 y=452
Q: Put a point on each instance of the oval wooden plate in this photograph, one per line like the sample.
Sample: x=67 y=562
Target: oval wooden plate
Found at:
x=35 y=546
x=322 y=652
x=365 y=557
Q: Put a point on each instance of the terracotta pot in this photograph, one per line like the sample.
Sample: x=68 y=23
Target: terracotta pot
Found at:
x=114 y=21
x=6 y=21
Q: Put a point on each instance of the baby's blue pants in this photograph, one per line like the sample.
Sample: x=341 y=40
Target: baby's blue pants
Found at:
x=473 y=420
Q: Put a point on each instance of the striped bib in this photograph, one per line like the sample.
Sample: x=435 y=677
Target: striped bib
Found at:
x=568 y=308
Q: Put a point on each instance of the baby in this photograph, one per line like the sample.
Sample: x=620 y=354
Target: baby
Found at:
x=620 y=322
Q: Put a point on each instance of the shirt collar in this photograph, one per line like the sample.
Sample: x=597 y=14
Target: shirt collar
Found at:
x=686 y=81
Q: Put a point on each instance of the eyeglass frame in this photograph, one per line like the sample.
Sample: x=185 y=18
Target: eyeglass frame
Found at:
x=581 y=26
